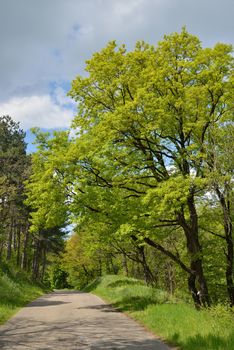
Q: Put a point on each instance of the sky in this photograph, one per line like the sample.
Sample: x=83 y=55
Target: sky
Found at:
x=44 y=45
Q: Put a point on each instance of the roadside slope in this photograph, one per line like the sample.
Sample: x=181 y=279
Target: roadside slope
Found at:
x=15 y=292
x=173 y=320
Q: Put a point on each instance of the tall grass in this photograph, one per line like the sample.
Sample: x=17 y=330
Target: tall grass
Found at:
x=15 y=291
x=176 y=322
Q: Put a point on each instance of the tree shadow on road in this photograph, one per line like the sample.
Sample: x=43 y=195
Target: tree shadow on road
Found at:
x=125 y=304
x=46 y=302
x=102 y=307
x=95 y=334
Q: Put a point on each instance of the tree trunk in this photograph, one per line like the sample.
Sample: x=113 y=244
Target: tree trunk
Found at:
x=15 y=236
x=170 y=283
x=36 y=258
x=1 y=249
x=196 y=281
x=9 y=241
x=228 y=230
x=43 y=267
x=24 y=258
x=108 y=264
x=18 y=246
x=229 y=270
x=148 y=276
x=100 y=266
x=125 y=264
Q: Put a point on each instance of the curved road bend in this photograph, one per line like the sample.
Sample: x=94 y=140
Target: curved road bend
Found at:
x=74 y=321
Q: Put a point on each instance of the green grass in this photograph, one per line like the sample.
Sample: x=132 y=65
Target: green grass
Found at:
x=15 y=292
x=174 y=321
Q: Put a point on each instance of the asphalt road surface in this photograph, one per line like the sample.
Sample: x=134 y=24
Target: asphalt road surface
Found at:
x=74 y=321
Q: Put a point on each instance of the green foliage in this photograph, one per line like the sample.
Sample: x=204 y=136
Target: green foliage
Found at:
x=45 y=188
x=13 y=162
x=14 y=170
x=86 y=256
x=189 y=329
x=58 y=278
x=148 y=155
x=145 y=119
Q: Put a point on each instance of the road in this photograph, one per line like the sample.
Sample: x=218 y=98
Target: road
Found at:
x=74 y=321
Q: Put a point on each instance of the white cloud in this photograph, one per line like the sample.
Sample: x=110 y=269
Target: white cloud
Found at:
x=48 y=41
x=123 y=7
x=61 y=97
x=40 y=111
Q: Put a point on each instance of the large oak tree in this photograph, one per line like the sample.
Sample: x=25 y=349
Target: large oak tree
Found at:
x=144 y=119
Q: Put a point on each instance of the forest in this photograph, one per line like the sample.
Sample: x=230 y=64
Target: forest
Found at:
x=141 y=185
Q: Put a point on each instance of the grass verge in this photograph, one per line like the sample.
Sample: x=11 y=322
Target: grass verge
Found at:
x=176 y=322
x=15 y=292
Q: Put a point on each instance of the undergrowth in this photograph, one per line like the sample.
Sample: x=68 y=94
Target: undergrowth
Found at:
x=16 y=290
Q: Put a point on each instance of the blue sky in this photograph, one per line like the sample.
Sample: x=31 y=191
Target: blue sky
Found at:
x=44 y=45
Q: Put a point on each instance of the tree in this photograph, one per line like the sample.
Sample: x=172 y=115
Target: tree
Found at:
x=146 y=158
x=144 y=119
x=46 y=193
x=14 y=169
x=46 y=197
x=220 y=167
